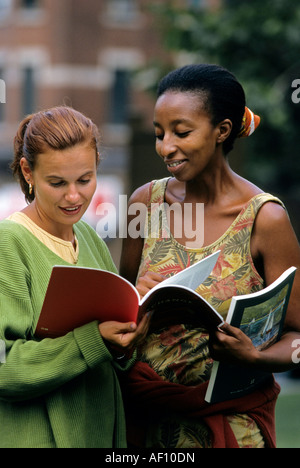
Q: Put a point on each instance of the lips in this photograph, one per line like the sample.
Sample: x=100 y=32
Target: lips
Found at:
x=175 y=166
x=72 y=210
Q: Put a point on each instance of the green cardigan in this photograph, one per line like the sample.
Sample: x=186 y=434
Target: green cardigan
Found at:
x=63 y=392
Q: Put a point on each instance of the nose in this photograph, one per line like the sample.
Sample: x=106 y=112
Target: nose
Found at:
x=72 y=195
x=166 y=147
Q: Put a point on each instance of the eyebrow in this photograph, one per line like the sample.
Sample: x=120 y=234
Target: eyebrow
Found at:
x=62 y=178
x=175 y=122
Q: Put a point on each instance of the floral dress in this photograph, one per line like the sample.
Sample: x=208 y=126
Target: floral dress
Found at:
x=179 y=353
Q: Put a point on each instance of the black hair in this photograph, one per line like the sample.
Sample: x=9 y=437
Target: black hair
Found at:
x=222 y=95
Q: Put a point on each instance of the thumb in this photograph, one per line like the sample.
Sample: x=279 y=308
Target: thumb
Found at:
x=228 y=329
x=129 y=327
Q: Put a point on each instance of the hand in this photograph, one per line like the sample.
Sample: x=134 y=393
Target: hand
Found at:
x=231 y=345
x=124 y=336
x=148 y=281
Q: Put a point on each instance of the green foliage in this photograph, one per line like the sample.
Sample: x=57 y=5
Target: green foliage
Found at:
x=287 y=420
x=259 y=42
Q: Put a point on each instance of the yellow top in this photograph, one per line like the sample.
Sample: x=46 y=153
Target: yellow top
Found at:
x=63 y=249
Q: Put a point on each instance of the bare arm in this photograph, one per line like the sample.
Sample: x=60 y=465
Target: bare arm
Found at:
x=133 y=247
x=275 y=245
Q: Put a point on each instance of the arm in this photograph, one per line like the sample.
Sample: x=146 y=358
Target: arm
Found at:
x=34 y=368
x=133 y=246
x=275 y=248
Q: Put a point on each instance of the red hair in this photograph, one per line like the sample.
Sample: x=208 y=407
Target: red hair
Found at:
x=58 y=128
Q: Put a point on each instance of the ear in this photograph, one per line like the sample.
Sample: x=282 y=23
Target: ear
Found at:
x=26 y=171
x=224 y=128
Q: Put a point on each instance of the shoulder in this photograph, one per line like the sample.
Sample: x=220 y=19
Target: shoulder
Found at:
x=90 y=243
x=17 y=244
x=10 y=231
x=273 y=231
x=272 y=214
x=87 y=233
x=148 y=191
x=141 y=194
x=83 y=227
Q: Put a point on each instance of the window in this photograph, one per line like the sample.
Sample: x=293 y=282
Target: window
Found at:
x=30 y=4
x=120 y=98
x=2 y=95
x=5 y=8
x=29 y=91
x=31 y=12
x=122 y=10
x=196 y=3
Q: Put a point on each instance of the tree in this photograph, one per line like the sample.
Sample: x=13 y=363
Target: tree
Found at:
x=259 y=42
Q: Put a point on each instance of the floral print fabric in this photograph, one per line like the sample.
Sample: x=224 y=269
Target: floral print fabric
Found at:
x=179 y=353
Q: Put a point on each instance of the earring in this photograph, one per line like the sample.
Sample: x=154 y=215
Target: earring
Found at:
x=30 y=189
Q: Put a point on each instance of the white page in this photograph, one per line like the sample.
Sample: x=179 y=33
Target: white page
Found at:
x=196 y=274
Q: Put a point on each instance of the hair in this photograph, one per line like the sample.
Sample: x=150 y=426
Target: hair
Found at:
x=58 y=128
x=222 y=95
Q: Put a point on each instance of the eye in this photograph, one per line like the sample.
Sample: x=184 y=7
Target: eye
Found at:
x=183 y=134
x=84 y=181
x=57 y=184
x=159 y=136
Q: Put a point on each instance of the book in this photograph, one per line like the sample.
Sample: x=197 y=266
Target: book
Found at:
x=76 y=296
x=260 y=316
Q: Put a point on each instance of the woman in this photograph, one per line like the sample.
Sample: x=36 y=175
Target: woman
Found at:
x=199 y=113
x=63 y=392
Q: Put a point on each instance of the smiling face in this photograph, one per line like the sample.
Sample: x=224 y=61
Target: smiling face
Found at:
x=64 y=183
x=186 y=139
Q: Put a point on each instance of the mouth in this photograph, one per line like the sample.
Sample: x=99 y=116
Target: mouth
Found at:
x=71 y=211
x=176 y=165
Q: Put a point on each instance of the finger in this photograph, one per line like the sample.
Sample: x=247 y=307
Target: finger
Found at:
x=154 y=275
x=228 y=329
x=143 y=328
x=117 y=328
x=150 y=279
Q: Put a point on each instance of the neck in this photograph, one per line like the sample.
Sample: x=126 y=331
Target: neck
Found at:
x=212 y=184
x=64 y=232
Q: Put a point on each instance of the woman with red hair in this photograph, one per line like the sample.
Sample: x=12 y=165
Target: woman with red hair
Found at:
x=62 y=392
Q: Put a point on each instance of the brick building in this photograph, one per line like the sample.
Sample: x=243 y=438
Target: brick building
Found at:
x=80 y=53
x=75 y=52
x=84 y=53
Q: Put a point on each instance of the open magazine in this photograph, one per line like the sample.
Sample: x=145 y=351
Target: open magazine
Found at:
x=261 y=317
x=76 y=296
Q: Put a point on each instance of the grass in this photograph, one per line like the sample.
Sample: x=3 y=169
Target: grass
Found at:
x=288 y=420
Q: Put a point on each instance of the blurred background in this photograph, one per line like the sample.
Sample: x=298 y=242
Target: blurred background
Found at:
x=105 y=58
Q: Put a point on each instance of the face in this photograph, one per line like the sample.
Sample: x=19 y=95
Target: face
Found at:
x=185 y=138
x=64 y=183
